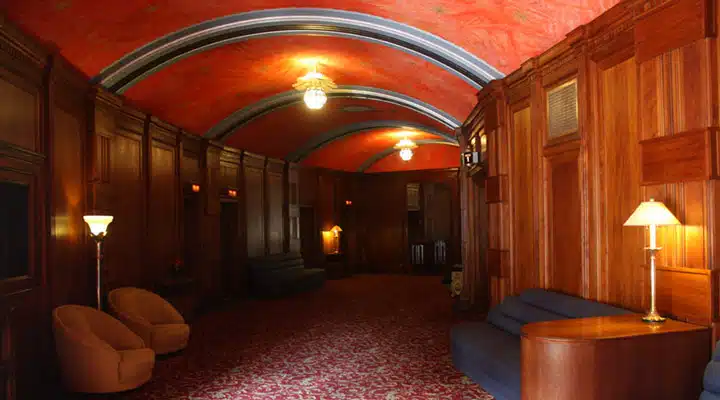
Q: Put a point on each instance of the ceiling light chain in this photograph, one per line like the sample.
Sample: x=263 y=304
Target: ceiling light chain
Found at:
x=315 y=85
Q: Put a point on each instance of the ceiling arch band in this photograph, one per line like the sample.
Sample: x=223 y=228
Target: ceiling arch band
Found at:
x=325 y=138
x=390 y=150
x=171 y=48
x=225 y=128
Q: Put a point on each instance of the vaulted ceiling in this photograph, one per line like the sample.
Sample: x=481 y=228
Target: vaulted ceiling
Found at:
x=225 y=69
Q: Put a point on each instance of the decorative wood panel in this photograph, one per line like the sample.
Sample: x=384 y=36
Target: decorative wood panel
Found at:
x=163 y=212
x=20 y=112
x=671 y=24
x=275 y=206
x=685 y=294
x=253 y=171
x=682 y=157
x=526 y=270
x=496 y=189
x=565 y=268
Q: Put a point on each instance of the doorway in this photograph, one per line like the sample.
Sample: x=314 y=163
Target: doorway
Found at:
x=309 y=243
x=228 y=247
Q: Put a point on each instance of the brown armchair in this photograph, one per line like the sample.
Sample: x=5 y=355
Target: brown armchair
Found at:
x=150 y=316
x=97 y=353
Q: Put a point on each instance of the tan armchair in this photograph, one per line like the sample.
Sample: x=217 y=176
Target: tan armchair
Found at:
x=150 y=316
x=97 y=353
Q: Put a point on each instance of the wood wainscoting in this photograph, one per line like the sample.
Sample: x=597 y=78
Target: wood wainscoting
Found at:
x=647 y=122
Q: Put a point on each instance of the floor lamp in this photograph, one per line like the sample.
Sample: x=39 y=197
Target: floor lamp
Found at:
x=98 y=229
x=652 y=214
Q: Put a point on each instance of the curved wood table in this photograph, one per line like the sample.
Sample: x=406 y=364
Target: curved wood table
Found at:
x=613 y=358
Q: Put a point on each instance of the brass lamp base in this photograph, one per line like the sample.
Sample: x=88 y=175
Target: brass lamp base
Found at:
x=653 y=318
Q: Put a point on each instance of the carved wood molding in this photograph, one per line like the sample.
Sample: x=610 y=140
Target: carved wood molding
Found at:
x=163 y=132
x=275 y=166
x=253 y=160
x=231 y=156
x=20 y=53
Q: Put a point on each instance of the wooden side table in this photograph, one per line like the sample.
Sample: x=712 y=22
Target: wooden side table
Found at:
x=618 y=358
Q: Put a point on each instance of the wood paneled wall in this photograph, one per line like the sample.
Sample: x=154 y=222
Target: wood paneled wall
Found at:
x=82 y=151
x=375 y=224
x=647 y=75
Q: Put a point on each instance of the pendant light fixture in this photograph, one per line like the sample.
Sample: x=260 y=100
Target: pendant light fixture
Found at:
x=406 y=147
x=316 y=86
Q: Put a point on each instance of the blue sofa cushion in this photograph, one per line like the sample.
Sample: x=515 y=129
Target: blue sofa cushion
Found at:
x=709 y=396
x=509 y=324
x=479 y=348
x=568 y=306
x=526 y=313
x=711 y=379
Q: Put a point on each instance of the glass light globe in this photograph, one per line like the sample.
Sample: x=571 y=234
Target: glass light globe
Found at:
x=315 y=98
x=406 y=154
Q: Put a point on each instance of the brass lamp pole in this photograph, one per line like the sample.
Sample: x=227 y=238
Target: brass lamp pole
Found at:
x=652 y=214
x=98 y=230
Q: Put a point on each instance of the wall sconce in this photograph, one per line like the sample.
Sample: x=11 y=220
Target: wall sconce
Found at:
x=195 y=188
x=348 y=202
x=232 y=193
x=98 y=230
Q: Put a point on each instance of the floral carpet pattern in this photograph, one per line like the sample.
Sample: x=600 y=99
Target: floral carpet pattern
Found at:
x=365 y=337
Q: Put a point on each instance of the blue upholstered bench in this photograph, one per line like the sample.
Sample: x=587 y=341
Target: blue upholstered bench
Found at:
x=283 y=274
x=711 y=380
x=489 y=352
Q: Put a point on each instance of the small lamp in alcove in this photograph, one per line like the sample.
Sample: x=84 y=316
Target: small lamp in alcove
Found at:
x=98 y=230
x=652 y=214
x=336 y=232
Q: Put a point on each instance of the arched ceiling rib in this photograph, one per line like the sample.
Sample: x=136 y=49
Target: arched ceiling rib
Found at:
x=293 y=131
x=200 y=70
x=295 y=21
x=239 y=118
x=429 y=156
x=351 y=152
x=337 y=134
x=390 y=150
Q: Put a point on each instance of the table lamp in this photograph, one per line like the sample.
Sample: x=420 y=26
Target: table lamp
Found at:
x=652 y=214
x=98 y=229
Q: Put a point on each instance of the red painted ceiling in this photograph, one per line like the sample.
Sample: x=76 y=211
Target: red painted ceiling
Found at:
x=279 y=133
x=93 y=34
x=201 y=90
x=429 y=156
x=358 y=148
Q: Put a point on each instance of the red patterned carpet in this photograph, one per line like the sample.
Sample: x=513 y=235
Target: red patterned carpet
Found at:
x=366 y=337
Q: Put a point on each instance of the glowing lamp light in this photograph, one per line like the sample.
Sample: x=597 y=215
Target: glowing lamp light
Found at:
x=195 y=188
x=98 y=223
x=405 y=146
x=406 y=154
x=348 y=202
x=315 y=98
x=232 y=193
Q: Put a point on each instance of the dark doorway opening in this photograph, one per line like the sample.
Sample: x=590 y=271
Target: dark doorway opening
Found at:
x=309 y=242
x=229 y=262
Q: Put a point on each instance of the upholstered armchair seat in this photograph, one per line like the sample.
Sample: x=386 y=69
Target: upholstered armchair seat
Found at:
x=150 y=316
x=97 y=353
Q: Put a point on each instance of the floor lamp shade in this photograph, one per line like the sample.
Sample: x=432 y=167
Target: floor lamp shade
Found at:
x=652 y=214
x=98 y=223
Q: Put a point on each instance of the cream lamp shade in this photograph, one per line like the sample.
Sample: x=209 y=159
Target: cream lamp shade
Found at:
x=651 y=213
x=336 y=229
x=98 y=223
